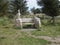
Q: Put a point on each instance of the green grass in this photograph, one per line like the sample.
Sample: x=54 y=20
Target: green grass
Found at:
x=11 y=36
x=24 y=40
x=48 y=30
x=32 y=41
x=16 y=37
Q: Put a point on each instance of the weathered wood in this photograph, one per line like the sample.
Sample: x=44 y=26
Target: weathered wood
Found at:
x=27 y=20
x=37 y=22
x=20 y=21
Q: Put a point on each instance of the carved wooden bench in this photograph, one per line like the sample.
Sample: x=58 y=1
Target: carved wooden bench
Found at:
x=24 y=21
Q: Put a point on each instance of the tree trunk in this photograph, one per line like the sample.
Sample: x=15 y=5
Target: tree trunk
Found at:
x=53 y=20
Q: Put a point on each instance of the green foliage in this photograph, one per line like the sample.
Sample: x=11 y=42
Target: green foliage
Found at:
x=50 y=8
x=59 y=7
x=21 y=5
x=3 y=21
x=35 y=10
x=3 y=7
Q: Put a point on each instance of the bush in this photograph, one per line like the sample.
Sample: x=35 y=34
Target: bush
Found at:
x=3 y=21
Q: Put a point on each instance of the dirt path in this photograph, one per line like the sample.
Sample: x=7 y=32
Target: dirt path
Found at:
x=28 y=30
x=53 y=40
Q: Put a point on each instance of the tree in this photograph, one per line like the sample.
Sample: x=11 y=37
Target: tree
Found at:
x=59 y=4
x=20 y=4
x=3 y=7
x=59 y=7
x=38 y=10
x=35 y=11
x=50 y=7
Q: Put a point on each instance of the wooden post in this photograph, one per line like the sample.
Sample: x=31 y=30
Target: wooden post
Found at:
x=37 y=22
x=18 y=20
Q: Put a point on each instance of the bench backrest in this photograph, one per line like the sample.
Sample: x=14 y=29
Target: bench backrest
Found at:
x=27 y=20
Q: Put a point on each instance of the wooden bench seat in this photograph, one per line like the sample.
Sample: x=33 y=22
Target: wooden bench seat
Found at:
x=27 y=21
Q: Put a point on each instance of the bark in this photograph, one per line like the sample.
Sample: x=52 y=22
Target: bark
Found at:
x=53 y=20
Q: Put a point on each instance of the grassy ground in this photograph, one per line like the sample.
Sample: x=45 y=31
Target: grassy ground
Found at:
x=11 y=36
x=15 y=37
x=48 y=29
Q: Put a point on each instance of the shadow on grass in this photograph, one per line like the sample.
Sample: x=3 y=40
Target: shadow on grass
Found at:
x=6 y=27
x=1 y=38
x=29 y=27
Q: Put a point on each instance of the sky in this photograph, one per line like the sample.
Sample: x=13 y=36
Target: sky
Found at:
x=32 y=3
